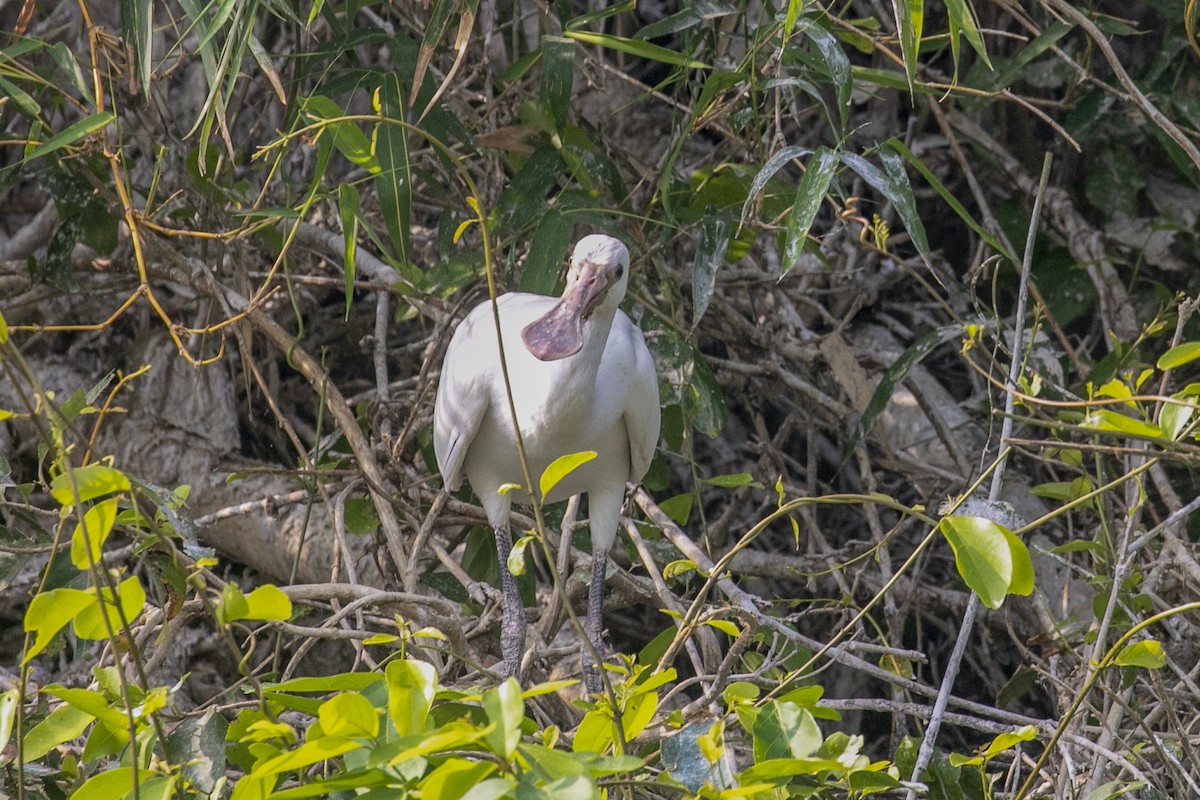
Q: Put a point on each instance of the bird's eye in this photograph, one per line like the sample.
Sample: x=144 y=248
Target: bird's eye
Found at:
x=620 y=271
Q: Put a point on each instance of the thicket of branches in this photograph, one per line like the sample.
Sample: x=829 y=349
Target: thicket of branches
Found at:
x=920 y=285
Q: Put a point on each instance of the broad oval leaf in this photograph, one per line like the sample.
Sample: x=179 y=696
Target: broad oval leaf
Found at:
x=412 y=685
x=268 y=603
x=1179 y=355
x=96 y=620
x=1147 y=654
x=561 y=467
x=349 y=715
x=506 y=711
x=90 y=534
x=92 y=481
x=49 y=612
x=992 y=561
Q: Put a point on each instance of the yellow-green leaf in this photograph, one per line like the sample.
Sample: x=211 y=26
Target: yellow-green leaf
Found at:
x=1179 y=355
x=90 y=534
x=92 y=481
x=268 y=603
x=90 y=622
x=349 y=715
x=49 y=612
x=561 y=467
x=1147 y=654
x=990 y=558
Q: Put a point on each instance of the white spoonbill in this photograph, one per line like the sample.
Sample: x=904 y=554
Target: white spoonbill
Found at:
x=582 y=379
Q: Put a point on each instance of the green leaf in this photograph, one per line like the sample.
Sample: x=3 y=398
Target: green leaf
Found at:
x=113 y=782
x=412 y=685
x=560 y=468
x=896 y=373
x=393 y=183
x=91 y=533
x=454 y=778
x=348 y=204
x=1007 y=741
x=267 y=602
x=768 y=170
x=506 y=711
x=1147 y=654
x=71 y=134
x=3 y=330
x=784 y=730
x=910 y=19
x=990 y=558
x=710 y=255
x=96 y=620
x=8 y=715
x=733 y=481
x=232 y=605
x=92 y=481
x=809 y=196
x=1109 y=421
x=838 y=65
x=516 y=557
x=558 y=74
x=634 y=47
x=60 y=725
x=350 y=716
x=21 y=99
x=49 y=612
x=1179 y=355
x=546 y=250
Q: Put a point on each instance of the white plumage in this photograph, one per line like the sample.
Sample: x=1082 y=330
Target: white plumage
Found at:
x=582 y=379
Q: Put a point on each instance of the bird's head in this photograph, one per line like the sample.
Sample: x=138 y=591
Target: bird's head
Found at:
x=597 y=279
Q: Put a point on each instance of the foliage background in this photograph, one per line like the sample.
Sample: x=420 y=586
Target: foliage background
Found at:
x=281 y=209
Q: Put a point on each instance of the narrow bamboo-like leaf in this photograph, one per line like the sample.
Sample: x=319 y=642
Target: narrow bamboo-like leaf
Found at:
x=561 y=467
x=1179 y=355
x=837 y=63
x=393 y=183
x=137 y=25
x=558 y=73
x=733 y=481
x=1147 y=654
x=90 y=534
x=348 y=205
x=768 y=170
x=71 y=134
x=962 y=20
x=1016 y=67
x=20 y=98
x=809 y=195
x=901 y=194
x=950 y=199
x=634 y=47
x=910 y=19
x=710 y=255
x=546 y=251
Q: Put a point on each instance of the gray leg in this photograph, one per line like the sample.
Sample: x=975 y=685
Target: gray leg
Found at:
x=593 y=623
x=512 y=626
